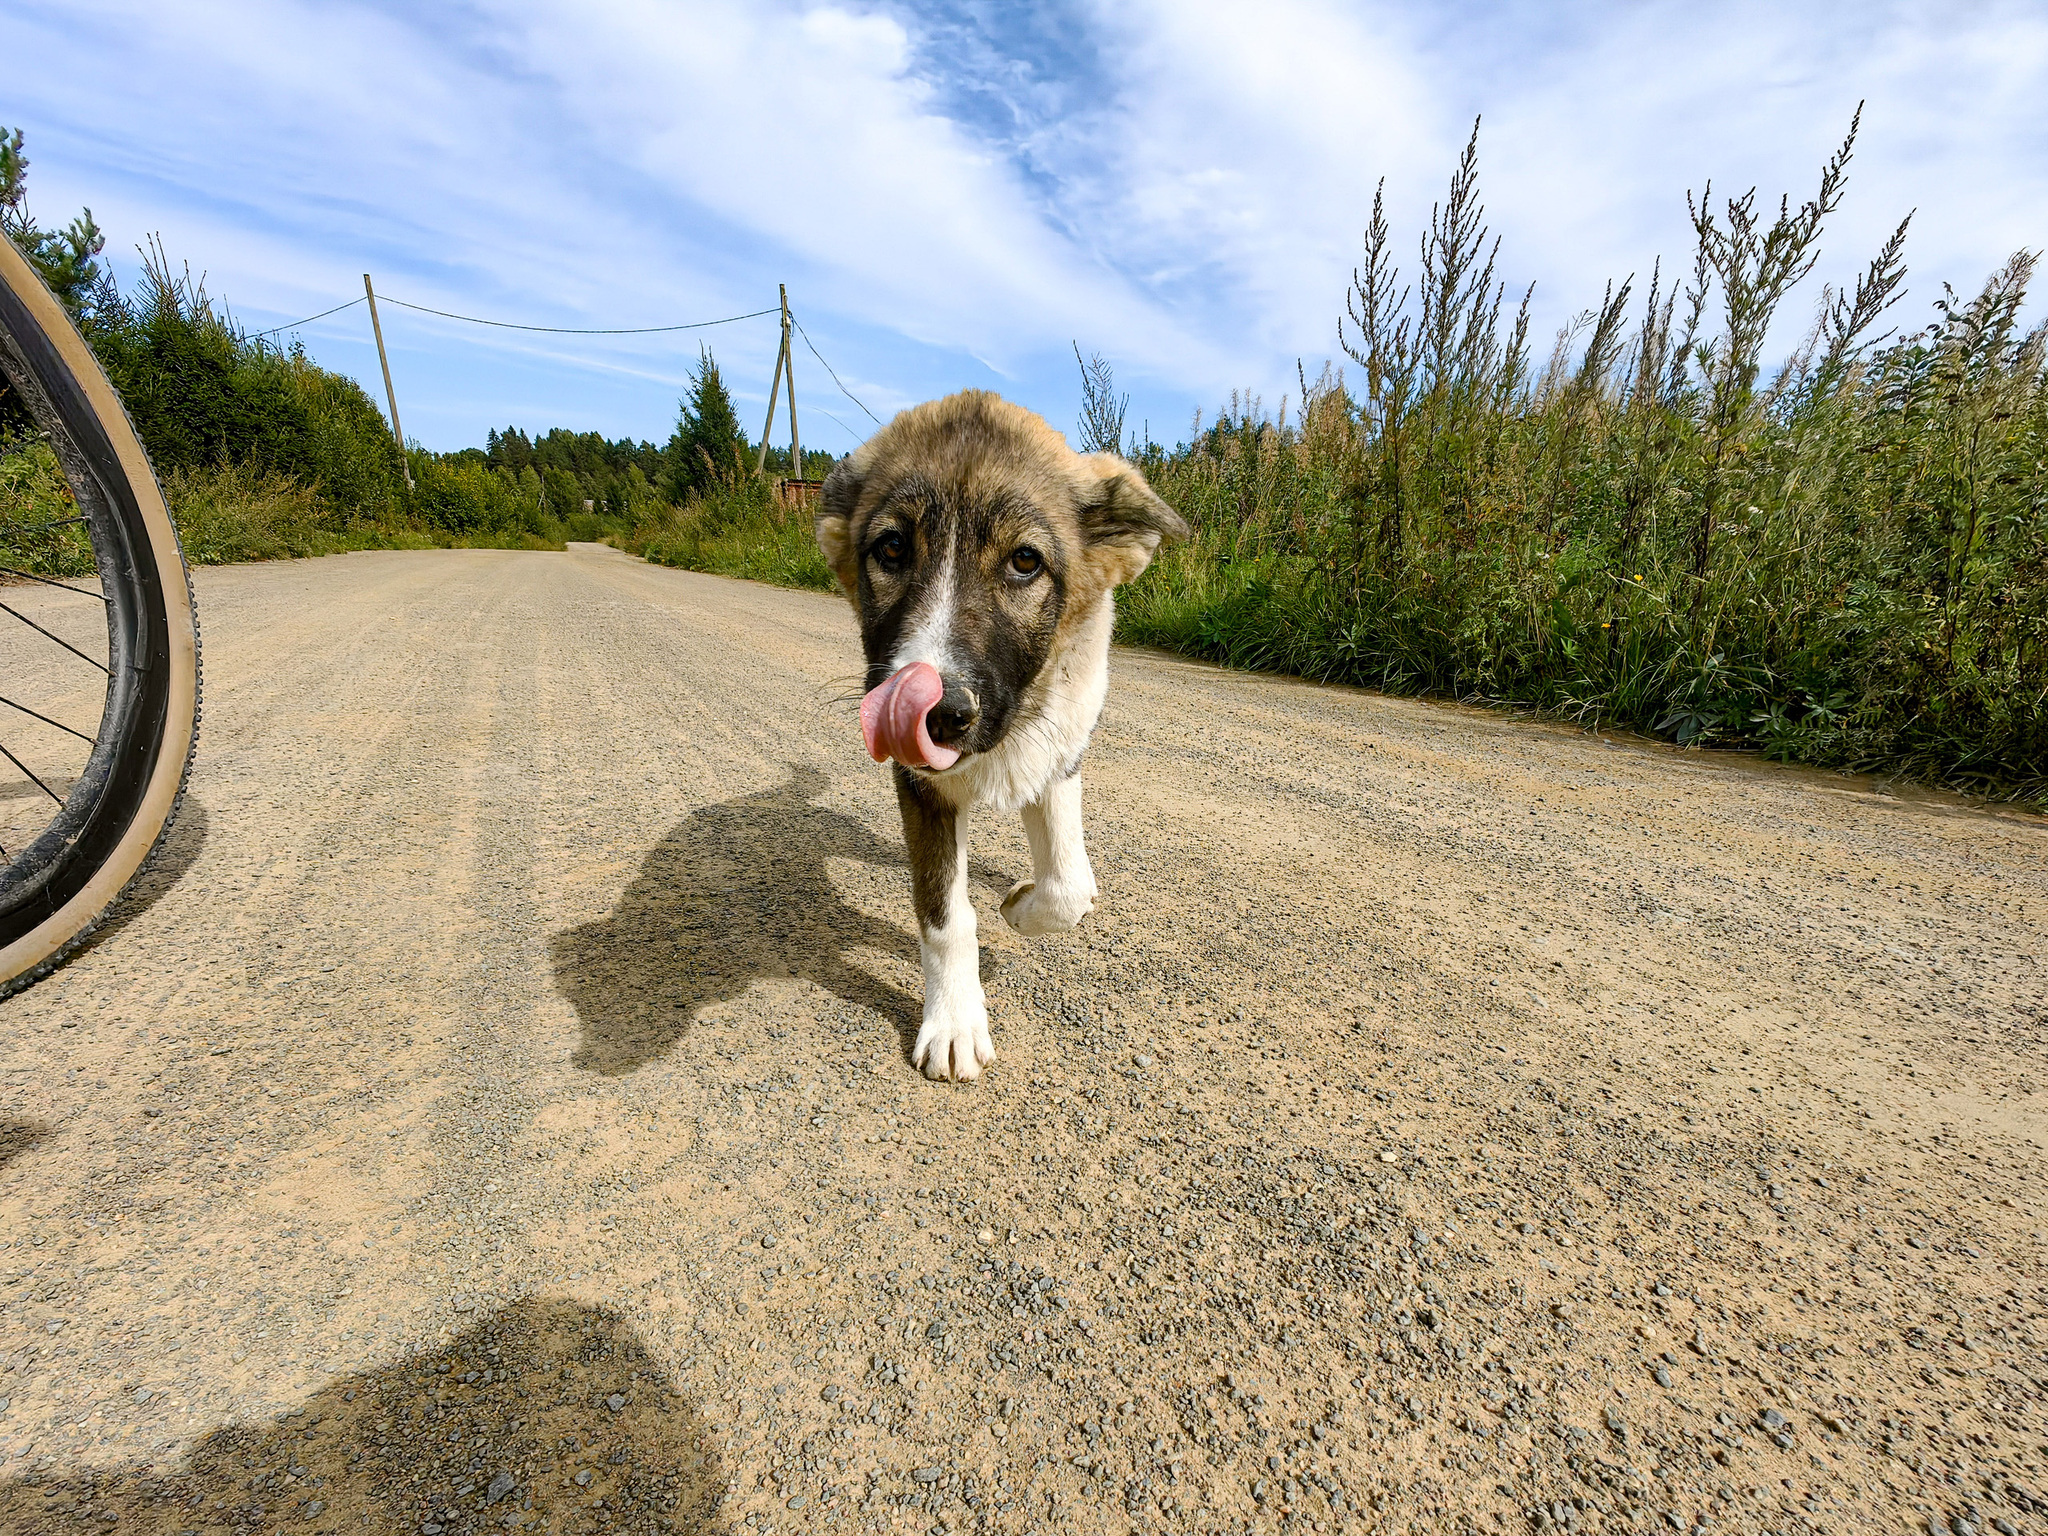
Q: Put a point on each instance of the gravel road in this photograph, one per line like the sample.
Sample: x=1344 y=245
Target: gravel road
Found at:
x=494 y=1113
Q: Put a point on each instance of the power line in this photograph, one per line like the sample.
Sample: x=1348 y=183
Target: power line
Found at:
x=842 y=425
x=564 y=330
x=828 y=368
x=571 y=330
x=351 y=304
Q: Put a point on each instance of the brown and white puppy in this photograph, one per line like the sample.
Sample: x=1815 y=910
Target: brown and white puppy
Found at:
x=981 y=553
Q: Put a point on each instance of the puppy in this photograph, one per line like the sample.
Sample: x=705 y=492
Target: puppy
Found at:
x=981 y=553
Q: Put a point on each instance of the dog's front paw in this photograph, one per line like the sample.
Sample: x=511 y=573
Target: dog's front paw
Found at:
x=954 y=1041
x=1031 y=908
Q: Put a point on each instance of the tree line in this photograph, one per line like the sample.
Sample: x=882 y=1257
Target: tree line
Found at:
x=707 y=449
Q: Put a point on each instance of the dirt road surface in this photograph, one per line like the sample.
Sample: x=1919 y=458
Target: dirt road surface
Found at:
x=494 y=1114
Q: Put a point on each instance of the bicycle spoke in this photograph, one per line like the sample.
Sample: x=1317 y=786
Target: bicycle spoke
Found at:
x=74 y=650
x=46 y=720
x=87 y=810
x=24 y=767
x=32 y=576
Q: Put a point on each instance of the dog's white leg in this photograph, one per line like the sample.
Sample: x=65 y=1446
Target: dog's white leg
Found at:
x=1061 y=890
x=953 y=1041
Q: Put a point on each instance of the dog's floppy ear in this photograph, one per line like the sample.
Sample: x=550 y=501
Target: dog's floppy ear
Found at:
x=834 y=523
x=1122 y=518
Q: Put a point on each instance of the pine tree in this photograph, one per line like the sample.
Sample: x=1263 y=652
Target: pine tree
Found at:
x=63 y=257
x=708 y=445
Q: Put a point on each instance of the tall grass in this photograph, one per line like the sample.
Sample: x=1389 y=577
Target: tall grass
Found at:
x=1843 y=562
x=224 y=513
x=203 y=393
x=228 y=513
x=35 y=512
x=735 y=528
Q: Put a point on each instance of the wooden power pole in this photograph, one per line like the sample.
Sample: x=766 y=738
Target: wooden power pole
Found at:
x=785 y=367
x=774 y=396
x=391 y=394
x=796 y=447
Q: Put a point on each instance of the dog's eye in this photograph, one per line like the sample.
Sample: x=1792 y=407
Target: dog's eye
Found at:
x=1026 y=562
x=888 y=549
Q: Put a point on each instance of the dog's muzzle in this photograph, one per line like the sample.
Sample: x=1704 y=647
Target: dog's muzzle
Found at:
x=895 y=718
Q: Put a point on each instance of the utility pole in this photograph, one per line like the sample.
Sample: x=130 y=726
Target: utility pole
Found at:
x=796 y=447
x=390 y=394
x=774 y=395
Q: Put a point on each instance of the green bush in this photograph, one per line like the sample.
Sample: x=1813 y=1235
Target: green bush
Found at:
x=201 y=393
x=457 y=495
x=261 y=454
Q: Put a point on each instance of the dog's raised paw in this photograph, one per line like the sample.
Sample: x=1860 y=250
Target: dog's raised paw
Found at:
x=954 y=1043
x=1034 y=909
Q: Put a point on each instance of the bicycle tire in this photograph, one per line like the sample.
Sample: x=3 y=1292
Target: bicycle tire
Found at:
x=117 y=814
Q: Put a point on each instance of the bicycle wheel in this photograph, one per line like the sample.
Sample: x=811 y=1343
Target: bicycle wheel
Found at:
x=99 y=672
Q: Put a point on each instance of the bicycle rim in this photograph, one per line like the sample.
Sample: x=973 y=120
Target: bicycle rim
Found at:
x=123 y=797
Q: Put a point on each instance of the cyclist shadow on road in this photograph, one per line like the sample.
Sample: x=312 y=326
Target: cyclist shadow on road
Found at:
x=652 y=1448
x=738 y=892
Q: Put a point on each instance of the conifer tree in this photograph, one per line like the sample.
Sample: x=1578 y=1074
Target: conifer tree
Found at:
x=63 y=257
x=708 y=445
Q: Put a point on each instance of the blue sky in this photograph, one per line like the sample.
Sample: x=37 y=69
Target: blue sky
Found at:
x=956 y=191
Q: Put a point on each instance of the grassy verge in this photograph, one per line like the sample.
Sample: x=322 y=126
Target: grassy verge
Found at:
x=1867 y=587
x=737 y=530
x=225 y=513
x=234 y=513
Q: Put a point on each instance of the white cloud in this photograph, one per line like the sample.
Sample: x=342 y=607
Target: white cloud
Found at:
x=1240 y=162
x=1752 y=95
x=811 y=133
x=954 y=191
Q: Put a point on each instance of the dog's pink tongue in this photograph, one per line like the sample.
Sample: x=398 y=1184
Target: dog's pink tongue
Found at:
x=892 y=718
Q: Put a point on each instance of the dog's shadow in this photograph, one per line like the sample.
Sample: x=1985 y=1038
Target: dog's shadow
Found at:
x=738 y=892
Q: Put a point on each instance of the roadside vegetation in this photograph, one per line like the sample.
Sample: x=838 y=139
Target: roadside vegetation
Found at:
x=719 y=514
x=264 y=455
x=1840 y=561
x=737 y=529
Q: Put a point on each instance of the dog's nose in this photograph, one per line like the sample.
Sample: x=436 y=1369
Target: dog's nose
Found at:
x=953 y=716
